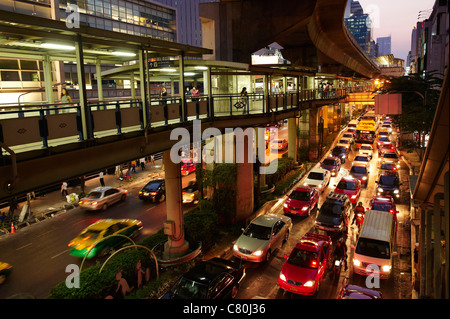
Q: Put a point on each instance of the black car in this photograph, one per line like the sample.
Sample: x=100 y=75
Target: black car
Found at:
x=389 y=184
x=341 y=152
x=155 y=191
x=213 y=279
x=333 y=214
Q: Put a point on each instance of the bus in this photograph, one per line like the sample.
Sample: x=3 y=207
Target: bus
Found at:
x=365 y=132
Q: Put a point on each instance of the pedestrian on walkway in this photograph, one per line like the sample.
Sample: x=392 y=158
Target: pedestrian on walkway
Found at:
x=142 y=162
x=152 y=161
x=64 y=189
x=102 y=181
x=133 y=166
x=65 y=98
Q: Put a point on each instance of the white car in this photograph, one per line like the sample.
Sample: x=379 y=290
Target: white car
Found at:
x=366 y=149
x=344 y=142
x=349 y=136
x=318 y=178
x=262 y=237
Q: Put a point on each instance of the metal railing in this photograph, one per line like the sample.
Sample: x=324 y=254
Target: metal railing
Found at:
x=27 y=127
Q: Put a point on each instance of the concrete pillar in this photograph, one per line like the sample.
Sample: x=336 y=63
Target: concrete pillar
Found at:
x=181 y=87
x=428 y=253
x=98 y=73
x=176 y=246
x=133 y=90
x=85 y=118
x=313 y=134
x=422 y=251
x=292 y=138
x=244 y=182
x=304 y=128
x=325 y=116
x=47 y=65
x=437 y=265
x=142 y=82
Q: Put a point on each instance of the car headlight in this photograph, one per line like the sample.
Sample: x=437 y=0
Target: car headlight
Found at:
x=396 y=191
x=343 y=156
x=380 y=190
x=309 y=283
x=305 y=208
x=356 y=262
x=305 y=184
x=285 y=205
x=282 y=277
x=257 y=253
x=386 y=268
x=235 y=247
x=364 y=178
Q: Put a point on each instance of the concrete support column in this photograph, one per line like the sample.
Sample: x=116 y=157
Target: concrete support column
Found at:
x=244 y=182
x=85 y=114
x=47 y=65
x=325 y=116
x=98 y=73
x=145 y=98
x=422 y=251
x=304 y=128
x=176 y=246
x=313 y=134
x=133 y=90
x=292 y=138
x=181 y=87
x=428 y=253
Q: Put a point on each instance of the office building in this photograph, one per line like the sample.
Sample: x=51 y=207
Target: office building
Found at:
x=384 y=45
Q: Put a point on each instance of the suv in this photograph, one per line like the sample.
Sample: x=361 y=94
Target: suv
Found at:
x=333 y=214
x=305 y=268
x=389 y=184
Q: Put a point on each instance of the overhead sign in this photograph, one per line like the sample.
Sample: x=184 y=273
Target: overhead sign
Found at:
x=159 y=64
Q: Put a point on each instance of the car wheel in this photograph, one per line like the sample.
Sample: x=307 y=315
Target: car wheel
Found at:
x=123 y=197
x=234 y=291
x=105 y=207
x=268 y=255
x=162 y=198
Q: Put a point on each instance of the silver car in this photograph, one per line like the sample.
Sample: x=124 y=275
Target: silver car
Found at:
x=262 y=237
x=102 y=198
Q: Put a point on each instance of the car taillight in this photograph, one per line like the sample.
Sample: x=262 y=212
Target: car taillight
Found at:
x=183 y=193
x=391 y=211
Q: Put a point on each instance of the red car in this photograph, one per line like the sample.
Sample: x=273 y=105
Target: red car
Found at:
x=304 y=269
x=187 y=168
x=301 y=201
x=384 y=203
x=350 y=186
x=385 y=147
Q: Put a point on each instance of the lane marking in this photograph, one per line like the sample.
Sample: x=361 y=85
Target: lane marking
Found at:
x=60 y=253
x=24 y=246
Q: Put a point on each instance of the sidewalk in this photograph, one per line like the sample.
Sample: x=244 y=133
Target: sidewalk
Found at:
x=53 y=203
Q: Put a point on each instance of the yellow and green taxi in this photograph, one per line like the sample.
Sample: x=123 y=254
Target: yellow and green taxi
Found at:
x=91 y=240
x=5 y=270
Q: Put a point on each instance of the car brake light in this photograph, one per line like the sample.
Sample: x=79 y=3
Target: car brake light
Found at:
x=314 y=263
x=391 y=211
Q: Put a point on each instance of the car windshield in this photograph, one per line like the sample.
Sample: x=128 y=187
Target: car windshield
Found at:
x=94 y=195
x=301 y=196
x=190 y=189
x=348 y=135
x=316 y=176
x=384 y=139
x=347 y=185
x=189 y=289
x=338 y=150
x=344 y=141
x=152 y=186
x=390 y=155
x=329 y=208
x=373 y=248
x=89 y=234
x=358 y=169
x=303 y=258
x=258 y=232
x=385 y=207
x=361 y=159
x=329 y=162
x=388 y=180
x=365 y=147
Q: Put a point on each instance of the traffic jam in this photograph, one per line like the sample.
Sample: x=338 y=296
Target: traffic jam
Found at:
x=331 y=195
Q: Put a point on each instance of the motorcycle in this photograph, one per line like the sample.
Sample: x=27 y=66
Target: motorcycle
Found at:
x=359 y=220
x=337 y=268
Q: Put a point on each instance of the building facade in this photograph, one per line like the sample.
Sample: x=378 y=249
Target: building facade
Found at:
x=384 y=45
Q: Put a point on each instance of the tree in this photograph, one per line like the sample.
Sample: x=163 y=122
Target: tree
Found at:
x=420 y=95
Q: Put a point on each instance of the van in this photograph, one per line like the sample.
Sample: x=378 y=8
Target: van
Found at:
x=353 y=123
x=374 y=247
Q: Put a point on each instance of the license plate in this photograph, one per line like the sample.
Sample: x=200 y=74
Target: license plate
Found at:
x=146 y=194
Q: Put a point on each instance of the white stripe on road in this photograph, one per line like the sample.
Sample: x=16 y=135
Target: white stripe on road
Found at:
x=24 y=246
x=65 y=251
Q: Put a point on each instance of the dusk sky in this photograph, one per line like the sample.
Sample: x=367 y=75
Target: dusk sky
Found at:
x=396 y=18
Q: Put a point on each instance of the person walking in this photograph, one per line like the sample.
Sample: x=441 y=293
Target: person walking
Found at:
x=64 y=189
x=195 y=94
x=65 y=98
x=102 y=181
x=244 y=98
x=133 y=166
